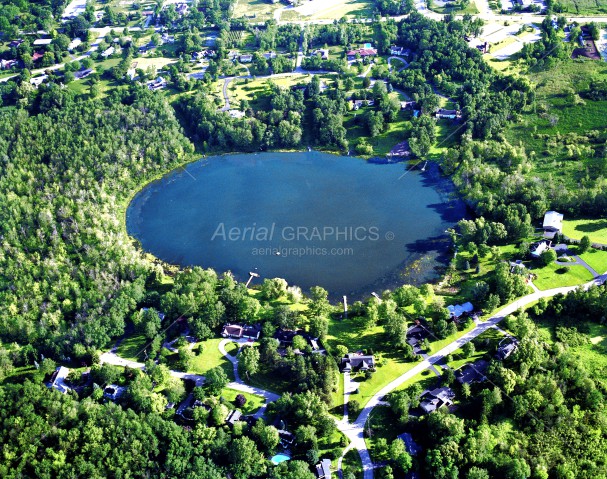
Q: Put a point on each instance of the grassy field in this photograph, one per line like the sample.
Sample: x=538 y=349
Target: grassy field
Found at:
x=352 y=464
x=329 y=9
x=454 y=7
x=554 y=276
x=586 y=7
x=566 y=119
x=254 y=402
x=257 y=10
x=132 y=347
x=210 y=357
x=596 y=259
x=595 y=229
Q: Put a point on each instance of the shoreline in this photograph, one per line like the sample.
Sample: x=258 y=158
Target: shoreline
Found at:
x=421 y=263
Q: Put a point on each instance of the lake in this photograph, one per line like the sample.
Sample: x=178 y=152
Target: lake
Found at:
x=312 y=218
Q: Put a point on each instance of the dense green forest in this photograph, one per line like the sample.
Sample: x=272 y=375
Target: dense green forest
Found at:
x=69 y=273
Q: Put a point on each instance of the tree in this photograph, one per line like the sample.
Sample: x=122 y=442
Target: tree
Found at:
x=215 y=380
x=468 y=349
x=273 y=289
x=249 y=358
x=266 y=435
x=245 y=458
x=399 y=456
x=548 y=257
x=585 y=244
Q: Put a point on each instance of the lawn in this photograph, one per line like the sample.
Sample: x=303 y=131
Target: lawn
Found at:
x=258 y=10
x=454 y=7
x=587 y=7
x=209 y=357
x=254 y=402
x=132 y=347
x=329 y=9
x=555 y=276
x=596 y=259
x=595 y=229
x=560 y=119
x=338 y=399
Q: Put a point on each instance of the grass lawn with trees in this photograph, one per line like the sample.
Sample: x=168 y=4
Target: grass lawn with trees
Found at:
x=596 y=259
x=208 y=356
x=132 y=347
x=254 y=402
x=595 y=229
x=557 y=275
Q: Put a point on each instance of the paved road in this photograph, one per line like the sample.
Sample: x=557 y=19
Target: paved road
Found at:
x=354 y=431
x=112 y=358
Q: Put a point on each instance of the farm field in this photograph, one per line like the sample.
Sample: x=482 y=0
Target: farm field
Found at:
x=328 y=9
x=586 y=7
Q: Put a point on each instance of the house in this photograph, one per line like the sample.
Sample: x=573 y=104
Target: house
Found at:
x=37 y=56
x=448 y=114
x=459 y=310
x=355 y=362
x=483 y=47
x=413 y=449
x=399 y=51
x=323 y=52
x=245 y=58
x=270 y=55
x=285 y=338
x=15 y=43
x=506 y=347
x=37 y=81
x=236 y=113
x=238 y=331
x=436 y=398
x=108 y=52
x=43 y=41
x=362 y=52
x=233 y=417
x=517 y=266
x=233 y=54
x=536 y=249
x=154 y=85
x=416 y=334
x=166 y=38
x=323 y=469
x=58 y=380
x=472 y=372
x=8 y=64
x=75 y=43
x=182 y=9
x=356 y=104
x=113 y=392
x=408 y=105
x=147 y=13
x=553 y=222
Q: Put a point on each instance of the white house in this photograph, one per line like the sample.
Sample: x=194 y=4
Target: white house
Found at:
x=553 y=222
x=537 y=249
x=58 y=380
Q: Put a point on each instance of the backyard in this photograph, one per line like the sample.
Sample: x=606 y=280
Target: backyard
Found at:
x=595 y=229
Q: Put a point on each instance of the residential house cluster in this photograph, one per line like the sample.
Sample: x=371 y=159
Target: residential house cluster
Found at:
x=357 y=362
x=362 y=53
x=241 y=331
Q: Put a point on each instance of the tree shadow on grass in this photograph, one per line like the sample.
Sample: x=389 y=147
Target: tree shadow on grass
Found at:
x=592 y=227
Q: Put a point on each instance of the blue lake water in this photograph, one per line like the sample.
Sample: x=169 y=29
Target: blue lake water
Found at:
x=312 y=218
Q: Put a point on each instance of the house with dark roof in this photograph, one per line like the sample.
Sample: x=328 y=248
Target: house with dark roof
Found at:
x=285 y=338
x=238 y=331
x=323 y=469
x=442 y=113
x=416 y=334
x=472 y=372
x=436 y=398
x=113 y=392
x=506 y=347
x=355 y=362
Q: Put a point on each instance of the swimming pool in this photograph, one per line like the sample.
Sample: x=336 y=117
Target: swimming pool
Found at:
x=278 y=458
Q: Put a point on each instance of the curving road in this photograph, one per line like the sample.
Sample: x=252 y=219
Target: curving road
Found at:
x=354 y=431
